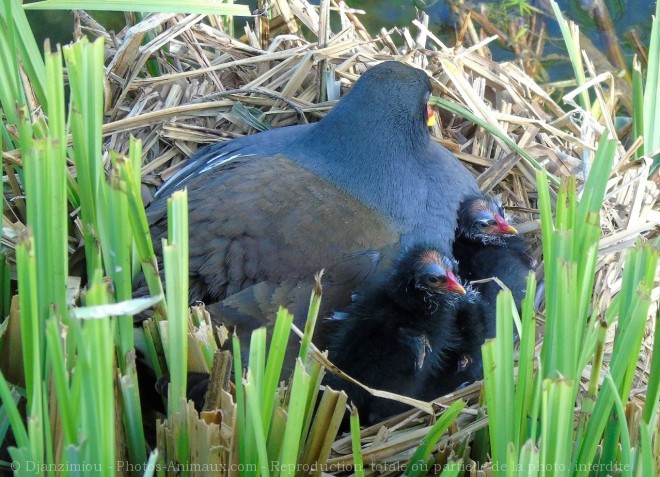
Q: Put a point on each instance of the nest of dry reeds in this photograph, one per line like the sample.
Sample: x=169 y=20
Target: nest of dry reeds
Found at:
x=290 y=70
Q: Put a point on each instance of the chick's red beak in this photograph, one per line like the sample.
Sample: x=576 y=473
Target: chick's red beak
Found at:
x=503 y=227
x=453 y=285
x=430 y=116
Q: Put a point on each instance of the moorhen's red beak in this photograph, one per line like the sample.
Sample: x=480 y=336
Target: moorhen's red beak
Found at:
x=453 y=285
x=430 y=116
x=503 y=227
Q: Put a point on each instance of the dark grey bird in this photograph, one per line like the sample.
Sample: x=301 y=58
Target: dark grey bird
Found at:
x=268 y=211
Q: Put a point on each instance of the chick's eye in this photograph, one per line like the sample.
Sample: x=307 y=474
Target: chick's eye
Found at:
x=433 y=280
x=483 y=224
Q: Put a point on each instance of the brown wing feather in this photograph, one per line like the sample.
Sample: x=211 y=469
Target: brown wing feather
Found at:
x=265 y=219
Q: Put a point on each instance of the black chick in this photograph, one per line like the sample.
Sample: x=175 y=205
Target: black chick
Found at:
x=398 y=333
x=470 y=322
x=488 y=246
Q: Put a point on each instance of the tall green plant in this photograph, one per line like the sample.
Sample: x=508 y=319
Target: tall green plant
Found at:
x=651 y=103
x=532 y=424
x=18 y=49
x=42 y=254
x=283 y=430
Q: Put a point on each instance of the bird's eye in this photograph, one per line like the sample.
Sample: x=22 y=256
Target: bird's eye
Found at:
x=433 y=280
x=483 y=224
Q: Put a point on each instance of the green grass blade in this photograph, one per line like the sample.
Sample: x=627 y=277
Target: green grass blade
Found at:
x=356 y=447
x=5 y=295
x=24 y=46
x=116 y=247
x=129 y=172
x=312 y=315
x=417 y=466
x=556 y=425
x=241 y=412
x=528 y=463
x=133 y=423
x=572 y=42
x=4 y=420
x=652 y=400
x=32 y=342
x=524 y=381
x=252 y=395
x=626 y=458
x=21 y=455
x=276 y=353
x=296 y=414
x=594 y=188
x=175 y=258
x=10 y=408
x=498 y=438
x=498 y=381
x=639 y=105
x=151 y=464
x=84 y=63
x=56 y=352
x=257 y=364
x=12 y=95
x=626 y=346
x=645 y=464
x=96 y=365
x=274 y=441
x=461 y=111
x=156 y=6
x=651 y=93
x=589 y=399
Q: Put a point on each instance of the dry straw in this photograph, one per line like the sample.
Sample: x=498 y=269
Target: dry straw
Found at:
x=215 y=87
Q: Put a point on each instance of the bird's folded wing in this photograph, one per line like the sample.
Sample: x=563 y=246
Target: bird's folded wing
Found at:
x=266 y=219
x=257 y=305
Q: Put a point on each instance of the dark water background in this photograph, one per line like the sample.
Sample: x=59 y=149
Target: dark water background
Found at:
x=626 y=15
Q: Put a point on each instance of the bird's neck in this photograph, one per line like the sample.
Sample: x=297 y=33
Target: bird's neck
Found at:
x=420 y=311
x=358 y=133
x=380 y=177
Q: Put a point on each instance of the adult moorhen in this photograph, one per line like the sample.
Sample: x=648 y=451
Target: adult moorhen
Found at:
x=401 y=334
x=488 y=246
x=274 y=208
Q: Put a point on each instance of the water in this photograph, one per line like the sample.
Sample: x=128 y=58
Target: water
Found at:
x=626 y=15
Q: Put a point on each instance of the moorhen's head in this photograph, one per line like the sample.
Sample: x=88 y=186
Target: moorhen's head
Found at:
x=424 y=276
x=483 y=220
x=389 y=98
